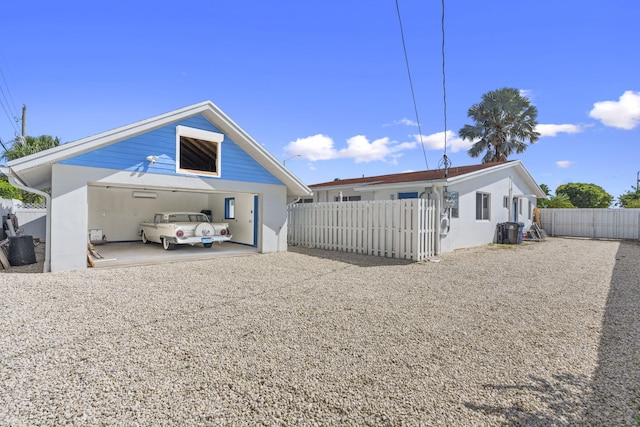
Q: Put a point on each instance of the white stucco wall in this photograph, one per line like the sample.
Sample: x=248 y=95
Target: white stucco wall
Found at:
x=465 y=231
x=79 y=205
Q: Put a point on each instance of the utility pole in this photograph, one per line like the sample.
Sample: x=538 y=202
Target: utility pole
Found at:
x=24 y=120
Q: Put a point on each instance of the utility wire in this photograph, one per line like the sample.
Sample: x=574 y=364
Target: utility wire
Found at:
x=12 y=103
x=413 y=95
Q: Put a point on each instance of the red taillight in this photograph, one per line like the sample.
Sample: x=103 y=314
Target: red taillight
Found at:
x=179 y=233
x=223 y=232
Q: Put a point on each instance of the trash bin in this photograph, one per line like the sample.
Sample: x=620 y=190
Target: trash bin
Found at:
x=513 y=230
x=501 y=233
x=520 y=231
x=21 y=250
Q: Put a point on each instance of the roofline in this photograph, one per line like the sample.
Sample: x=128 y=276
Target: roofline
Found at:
x=206 y=108
x=371 y=186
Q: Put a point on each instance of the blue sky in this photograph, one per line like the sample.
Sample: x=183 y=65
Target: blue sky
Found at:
x=324 y=86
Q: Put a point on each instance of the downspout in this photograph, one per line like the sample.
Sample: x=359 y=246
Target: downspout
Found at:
x=47 y=248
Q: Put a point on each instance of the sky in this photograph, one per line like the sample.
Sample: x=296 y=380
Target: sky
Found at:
x=324 y=85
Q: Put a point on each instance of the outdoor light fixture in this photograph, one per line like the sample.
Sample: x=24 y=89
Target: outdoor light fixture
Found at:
x=144 y=195
x=152 y=159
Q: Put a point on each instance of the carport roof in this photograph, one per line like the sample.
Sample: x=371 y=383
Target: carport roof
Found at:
x=35 y=170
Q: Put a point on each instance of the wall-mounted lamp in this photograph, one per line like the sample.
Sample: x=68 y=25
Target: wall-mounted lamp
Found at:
x=144 y=195
x=152 y=159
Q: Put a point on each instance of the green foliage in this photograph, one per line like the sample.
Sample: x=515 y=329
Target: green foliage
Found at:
x=29 y=145
x=504 y=122
x=8 y=191
x=545 y=188
x=586 y=195
x=630 y=199
x=23 y=147
x=558 y=201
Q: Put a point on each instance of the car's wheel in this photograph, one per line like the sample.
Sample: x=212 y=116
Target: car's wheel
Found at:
x=204 y=229
x=167 y=245
x=144 y=238
x=207 y=245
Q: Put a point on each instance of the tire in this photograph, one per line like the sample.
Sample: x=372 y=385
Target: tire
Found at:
x=207 y=245
x=144 y=238
x=167 y=245
x=204 y=229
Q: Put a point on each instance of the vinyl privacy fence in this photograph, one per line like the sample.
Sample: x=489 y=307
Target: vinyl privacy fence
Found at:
x=389 y=228
x=592 y=223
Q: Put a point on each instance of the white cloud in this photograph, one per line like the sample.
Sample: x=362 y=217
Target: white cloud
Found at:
x=553 y=130
x=403 y=121
x=564 y=163
x=623 y=114
x=316 y=147
x=359 y=148
x=436 y=141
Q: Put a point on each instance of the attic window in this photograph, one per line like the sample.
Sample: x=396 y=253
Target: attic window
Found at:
x=198 y=151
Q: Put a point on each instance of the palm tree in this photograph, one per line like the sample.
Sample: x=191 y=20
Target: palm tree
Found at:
x=504 y=121
x=28 y=145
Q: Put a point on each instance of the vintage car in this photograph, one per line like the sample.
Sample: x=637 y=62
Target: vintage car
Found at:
x=183 y=228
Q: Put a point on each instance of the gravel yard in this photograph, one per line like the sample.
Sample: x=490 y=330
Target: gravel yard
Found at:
x=538 y=334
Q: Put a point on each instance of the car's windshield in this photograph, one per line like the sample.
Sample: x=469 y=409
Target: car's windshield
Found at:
x=186 y=217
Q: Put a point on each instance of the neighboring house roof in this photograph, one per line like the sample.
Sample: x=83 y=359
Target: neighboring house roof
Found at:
x=35 y=170
x=428 y=177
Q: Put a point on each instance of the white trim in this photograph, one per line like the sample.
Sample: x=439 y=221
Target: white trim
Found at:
x=203 y=135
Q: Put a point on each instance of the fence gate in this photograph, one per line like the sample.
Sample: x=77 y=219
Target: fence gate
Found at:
x=390 y=228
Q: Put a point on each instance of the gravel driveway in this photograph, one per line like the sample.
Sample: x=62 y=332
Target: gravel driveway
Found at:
x=539 y=334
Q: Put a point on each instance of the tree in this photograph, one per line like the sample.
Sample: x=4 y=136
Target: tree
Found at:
x=504 y=122
x=8 y=191
x=29 y=145
x=23 y=147
x=630 y=199
x=586 y=195
x=558 y=201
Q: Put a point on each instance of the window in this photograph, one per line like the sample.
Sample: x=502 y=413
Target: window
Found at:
x=305 y=201
x=520 y=203
x=348 y=198
x=230 y=208
x=505 y=202
x=198 y=151
x=412 y=195
x=482 y=206
x=530 y=209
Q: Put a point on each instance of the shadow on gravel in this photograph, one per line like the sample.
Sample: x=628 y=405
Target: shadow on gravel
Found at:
x=612 y=395
x=541 y=402
x=360 y=260
x=615 y=389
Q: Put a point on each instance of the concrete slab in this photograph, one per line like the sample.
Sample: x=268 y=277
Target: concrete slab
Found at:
x=137 y=253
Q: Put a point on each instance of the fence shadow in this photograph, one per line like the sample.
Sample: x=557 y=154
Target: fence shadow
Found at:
x=615 y=387
x=611 y=396
x=361 y=260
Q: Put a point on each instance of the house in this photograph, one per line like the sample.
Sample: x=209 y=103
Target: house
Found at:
x=195 y=158
x=470 y=200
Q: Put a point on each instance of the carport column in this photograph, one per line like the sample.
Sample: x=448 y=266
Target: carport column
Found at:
x=69 y=223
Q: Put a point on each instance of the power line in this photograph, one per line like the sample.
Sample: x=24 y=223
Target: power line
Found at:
x=413 y=96
x=12 y=103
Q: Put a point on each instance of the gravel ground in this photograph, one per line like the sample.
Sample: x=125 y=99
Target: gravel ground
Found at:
x=538 y=334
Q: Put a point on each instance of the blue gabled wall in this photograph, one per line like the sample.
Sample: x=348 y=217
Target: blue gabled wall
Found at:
x=131 y=154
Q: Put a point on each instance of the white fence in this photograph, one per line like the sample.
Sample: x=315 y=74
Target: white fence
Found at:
x=31 y=218
x=592 y=223
x=389 y=228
